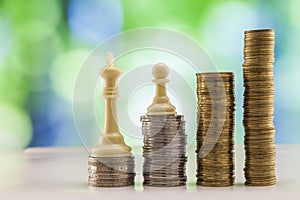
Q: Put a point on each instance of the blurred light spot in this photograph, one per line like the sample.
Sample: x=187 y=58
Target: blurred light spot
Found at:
x=177 y=25
x=15 y=127
x=64 y=72
x=224 y=29
x=141 y=57
x=11 y=80
x=66 y=134
x=35 y=31
x=5 y=39
x=52 y=120
x=95 y=20
x=294 y=13
x=47 y=11
x=288 y=79
x=35 y=61
x=141 y=98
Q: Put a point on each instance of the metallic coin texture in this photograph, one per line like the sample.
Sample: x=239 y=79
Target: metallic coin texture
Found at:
x=111 y=171
x=164 y=150
x=215 y=128
x=259 y=107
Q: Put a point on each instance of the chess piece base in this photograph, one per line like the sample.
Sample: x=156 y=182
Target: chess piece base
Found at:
x=111 y=145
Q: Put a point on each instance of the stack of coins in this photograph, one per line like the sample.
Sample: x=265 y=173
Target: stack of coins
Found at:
x=164 y=150
x=111 y=171
x=215 y=130
x=259 y=108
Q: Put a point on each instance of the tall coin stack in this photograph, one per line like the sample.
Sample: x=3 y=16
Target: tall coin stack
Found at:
x=258 y=107
x=164 y=150
x=164 y=147
x=215 y=131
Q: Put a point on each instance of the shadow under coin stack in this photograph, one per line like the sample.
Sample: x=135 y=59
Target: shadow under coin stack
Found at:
x=111 y=163
x=215 y=129
x=164 y=147
x=259 y=108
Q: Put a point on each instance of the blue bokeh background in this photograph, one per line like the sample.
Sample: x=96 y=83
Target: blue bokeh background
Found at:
x=44 y=43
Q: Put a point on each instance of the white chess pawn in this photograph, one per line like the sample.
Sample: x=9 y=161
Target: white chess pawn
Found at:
x=111 y=143
x=161 y=103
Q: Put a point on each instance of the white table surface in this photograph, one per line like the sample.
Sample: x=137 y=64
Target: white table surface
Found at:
x=61 y=173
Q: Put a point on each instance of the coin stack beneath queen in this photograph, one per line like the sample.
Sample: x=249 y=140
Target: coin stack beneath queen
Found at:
x=111 y=163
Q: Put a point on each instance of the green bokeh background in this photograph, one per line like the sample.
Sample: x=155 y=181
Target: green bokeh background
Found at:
x=44 y=42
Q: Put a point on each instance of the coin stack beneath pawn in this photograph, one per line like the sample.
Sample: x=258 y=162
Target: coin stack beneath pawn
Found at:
x=215 y=131
x=164 y=150
x=259 y=108
x=111 y=171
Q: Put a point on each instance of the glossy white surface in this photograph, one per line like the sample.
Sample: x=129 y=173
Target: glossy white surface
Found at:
x=61 y=173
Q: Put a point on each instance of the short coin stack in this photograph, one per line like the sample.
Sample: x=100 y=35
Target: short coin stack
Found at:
x=215 y=131
x=164 y=150
x=111 y=171
x=259 y=108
